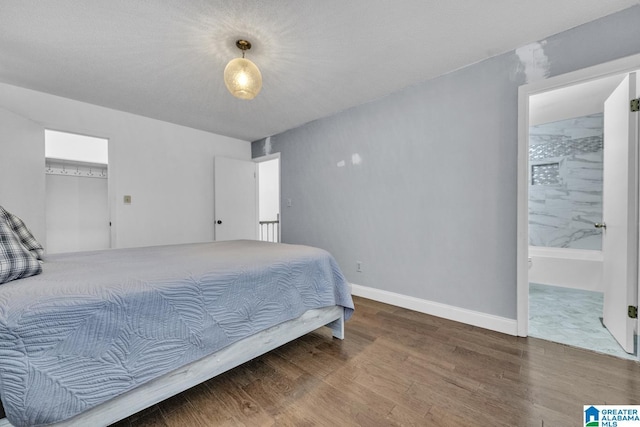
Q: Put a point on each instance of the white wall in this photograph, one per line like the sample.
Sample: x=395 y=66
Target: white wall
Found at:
x=22 y=170
x=166 y=168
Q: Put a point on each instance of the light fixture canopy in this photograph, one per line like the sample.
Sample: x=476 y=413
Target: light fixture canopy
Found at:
x=241 y=76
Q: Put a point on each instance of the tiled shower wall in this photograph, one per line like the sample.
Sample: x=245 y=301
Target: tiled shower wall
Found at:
x=565 y=183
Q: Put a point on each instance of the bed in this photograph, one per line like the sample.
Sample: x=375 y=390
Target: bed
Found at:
x=98 y=336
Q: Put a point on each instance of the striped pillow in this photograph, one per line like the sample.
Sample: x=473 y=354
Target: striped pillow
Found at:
x=16 y=261
x=23 y=233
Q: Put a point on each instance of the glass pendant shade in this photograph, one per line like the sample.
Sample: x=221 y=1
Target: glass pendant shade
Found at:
x=242 y=78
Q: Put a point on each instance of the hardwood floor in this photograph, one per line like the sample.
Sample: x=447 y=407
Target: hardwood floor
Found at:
x=399 y=367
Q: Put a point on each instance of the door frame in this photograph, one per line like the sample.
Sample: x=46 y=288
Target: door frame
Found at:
x=266 y=159
x=608 y=69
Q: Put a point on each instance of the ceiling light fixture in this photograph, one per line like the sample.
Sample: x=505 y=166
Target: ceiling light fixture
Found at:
x=241 y=76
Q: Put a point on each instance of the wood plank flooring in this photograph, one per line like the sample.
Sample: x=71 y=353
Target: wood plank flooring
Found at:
x=397 y=367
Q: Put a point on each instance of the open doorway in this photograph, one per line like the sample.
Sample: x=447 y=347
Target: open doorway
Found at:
x=77 y=202
x=563 y=282
x=269 y=198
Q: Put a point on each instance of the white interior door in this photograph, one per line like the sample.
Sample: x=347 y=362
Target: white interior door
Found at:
x=235 y=201
x=77 y=213
x=620 y=203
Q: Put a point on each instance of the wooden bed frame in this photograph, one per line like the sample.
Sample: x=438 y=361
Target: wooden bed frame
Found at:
x=206 y=368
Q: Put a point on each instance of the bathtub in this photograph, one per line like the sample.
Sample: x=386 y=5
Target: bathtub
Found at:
x=571 y=268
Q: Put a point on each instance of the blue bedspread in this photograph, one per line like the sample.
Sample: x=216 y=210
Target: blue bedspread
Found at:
x=94 y=325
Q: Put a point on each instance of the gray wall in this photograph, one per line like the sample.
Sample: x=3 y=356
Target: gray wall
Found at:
x=426 y=196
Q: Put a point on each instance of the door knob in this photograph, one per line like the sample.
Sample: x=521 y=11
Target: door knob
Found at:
x=219 y=222
x=600 y=225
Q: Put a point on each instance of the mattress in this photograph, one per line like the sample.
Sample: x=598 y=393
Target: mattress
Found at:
x=94 y=325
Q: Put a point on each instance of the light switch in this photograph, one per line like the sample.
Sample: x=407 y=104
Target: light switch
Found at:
x=127 y=200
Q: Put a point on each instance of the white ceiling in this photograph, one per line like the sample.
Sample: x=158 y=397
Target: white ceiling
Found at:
x=164 y=59
x=572 y=101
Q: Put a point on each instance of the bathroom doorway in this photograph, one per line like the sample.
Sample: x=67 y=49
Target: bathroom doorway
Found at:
x=560 y=281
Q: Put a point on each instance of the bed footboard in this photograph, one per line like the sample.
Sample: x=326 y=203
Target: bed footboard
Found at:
x=204 y=369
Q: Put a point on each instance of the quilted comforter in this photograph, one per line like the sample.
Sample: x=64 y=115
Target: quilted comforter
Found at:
x=94 y=325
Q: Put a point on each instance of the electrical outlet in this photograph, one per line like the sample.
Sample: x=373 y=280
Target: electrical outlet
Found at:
x=359 y=266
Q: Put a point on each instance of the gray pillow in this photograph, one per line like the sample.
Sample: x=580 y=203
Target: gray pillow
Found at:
x=16 y=261
x=23 y=233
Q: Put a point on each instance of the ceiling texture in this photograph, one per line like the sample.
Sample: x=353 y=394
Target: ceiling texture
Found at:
x=164 y=59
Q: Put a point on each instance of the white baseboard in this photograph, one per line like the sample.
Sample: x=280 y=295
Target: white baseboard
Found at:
x=470 y=317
